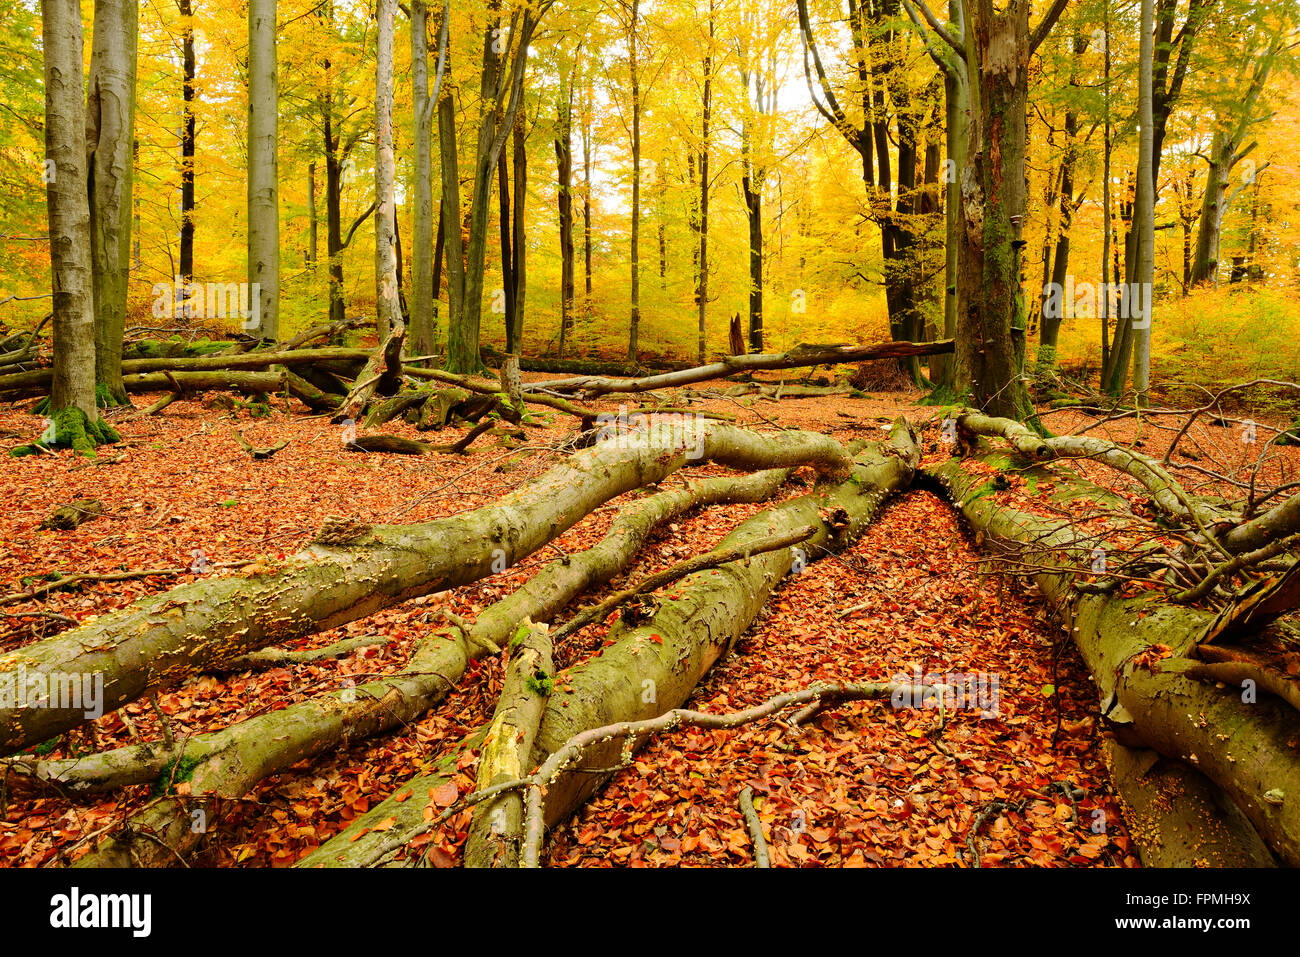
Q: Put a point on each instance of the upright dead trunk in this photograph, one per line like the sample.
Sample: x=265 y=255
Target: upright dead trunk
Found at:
x=110 y=119
x=634 y=76
x=564 y=204
x=73 y=385
x=990 y=313
x=263 y=173
x=421 y=325
x=189 y=72
x=387 y=311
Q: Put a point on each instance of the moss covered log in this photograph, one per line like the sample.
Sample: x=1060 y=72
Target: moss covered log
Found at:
x=164 y=638
x=229 y=762
x=653 y=668
x=1243 y=746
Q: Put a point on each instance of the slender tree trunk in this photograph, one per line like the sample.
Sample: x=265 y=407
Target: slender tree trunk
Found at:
x=706 y=109
x=110 y=122
x=313 y=219
x=956 y=87
x=449 y=233
x=189 y=68
x=504 y=223
x=634 y=326
x=263 y=172
x=73 y=384
x=387 y=311
x=586 y=193
x=564 y=204
x=519 y=258
x=333 y=221
x=1144 y=214
x=421 y=326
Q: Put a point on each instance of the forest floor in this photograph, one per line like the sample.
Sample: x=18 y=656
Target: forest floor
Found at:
x=864 y=784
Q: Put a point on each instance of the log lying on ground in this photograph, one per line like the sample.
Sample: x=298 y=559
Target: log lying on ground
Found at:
x=38 y=380
x=487 y=387
x=231 y=761
x=1243 y=749
x=653 y=668
x=806 y=355
x=248 y=383
x=496 y=830
x=1177 y=817
x=348 y=572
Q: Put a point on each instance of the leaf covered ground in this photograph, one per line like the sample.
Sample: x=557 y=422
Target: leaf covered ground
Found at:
x=864 y=784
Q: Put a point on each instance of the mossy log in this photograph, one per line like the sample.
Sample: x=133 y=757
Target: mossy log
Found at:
x=73 y=515
x=229 y=762
x=652 y=668
x=164 y=638
x=1244 y=747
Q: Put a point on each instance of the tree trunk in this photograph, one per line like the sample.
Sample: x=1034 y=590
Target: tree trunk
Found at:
x=564 y=204
x=422 y=230
x=1144 y=212
x=706 y=109
x=990 y=315
x=350 y=572
x=110 y=118
x=519 y=255
x=263 y=173
x=1241 y=748
x=73 y=385
x=634 y=322
x=387 y=310
x=639 y=676
x=189 y=72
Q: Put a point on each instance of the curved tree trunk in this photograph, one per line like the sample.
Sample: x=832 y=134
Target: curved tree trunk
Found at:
x=653 y=668
x=350 y=571
x=1242 y=748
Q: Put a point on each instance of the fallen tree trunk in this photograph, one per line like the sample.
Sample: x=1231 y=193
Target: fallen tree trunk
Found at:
x=350 y=572
x=38 y=380
x=249 y=383
x=231 y=761
x=807 y=355
x=652 y=669
x=496 y=830
x=1243 y=749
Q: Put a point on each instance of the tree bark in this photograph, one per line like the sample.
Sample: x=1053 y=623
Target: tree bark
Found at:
x=263 y=171
x=641 y=676
x=387 y=311
x=110 y=123
x=73 y=376
x=338 y=579
x=1241 y=748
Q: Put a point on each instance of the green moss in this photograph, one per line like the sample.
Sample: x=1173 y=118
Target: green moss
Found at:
x=46 y=747
x=173 y=773
x=540 y=684
x=71 y=428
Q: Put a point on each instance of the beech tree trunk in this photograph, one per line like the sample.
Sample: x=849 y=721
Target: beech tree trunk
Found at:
x=263 y=171
x=387 y=310
x=73 y=376
x=1241 y=748
x=640 y=677
x=351 y=572
x=422 y=229
x=110 y=118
